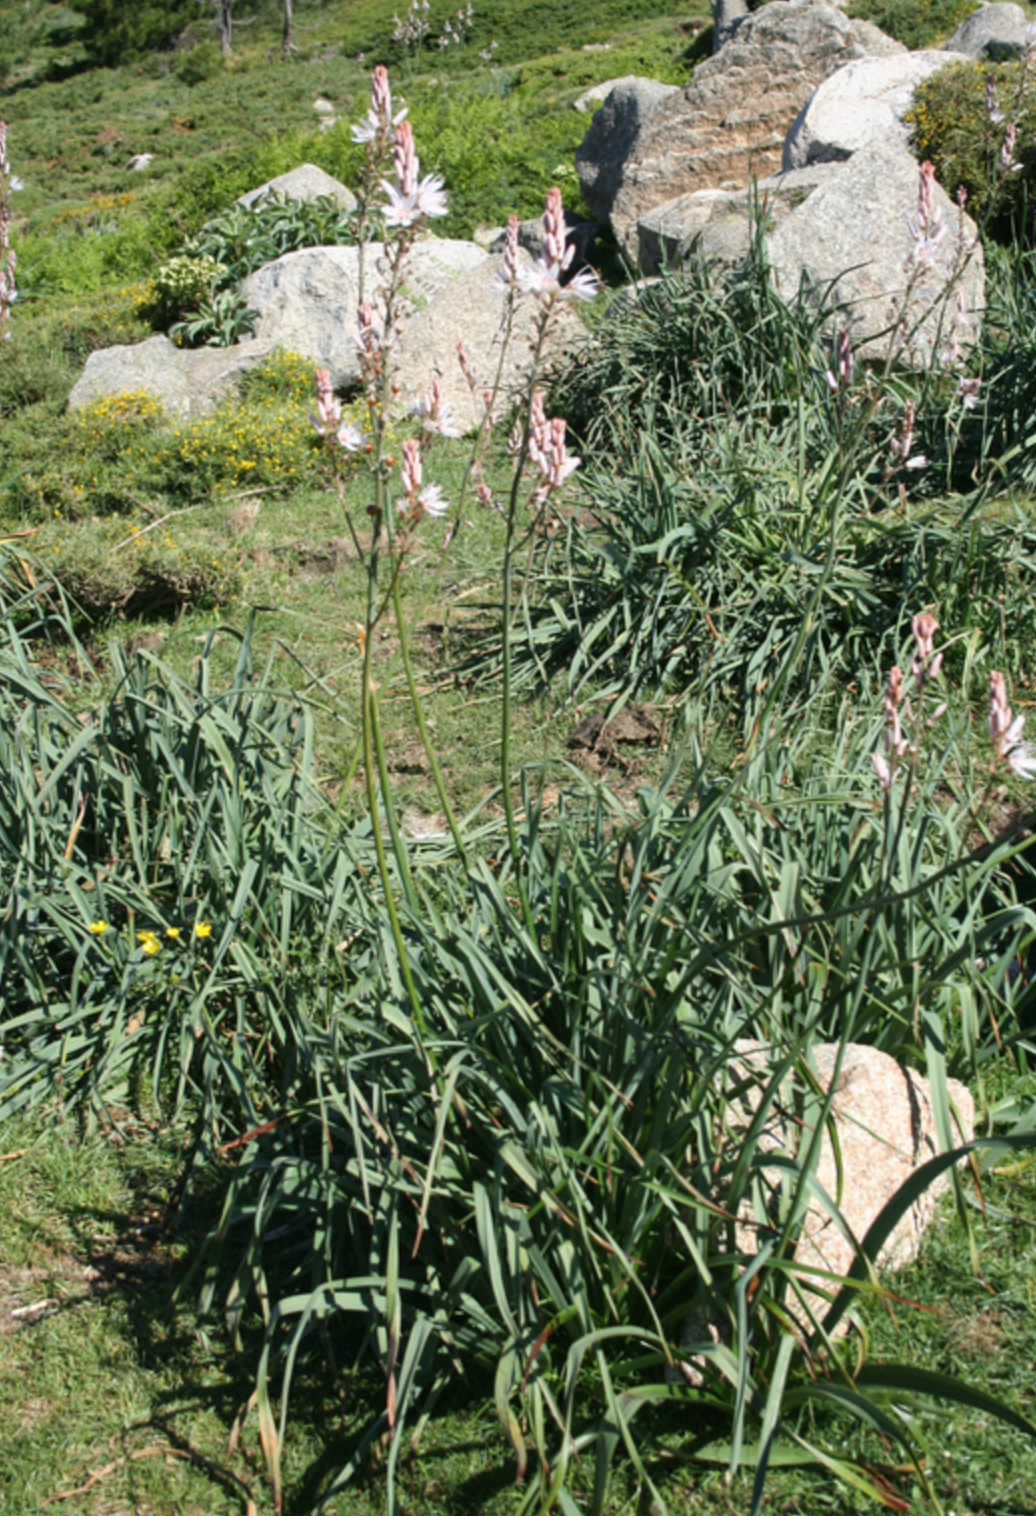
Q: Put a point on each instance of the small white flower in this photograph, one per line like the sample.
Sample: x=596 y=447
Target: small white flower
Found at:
x=431 y=501
x=582 y=286
x=350 y=437
x=1022 y=759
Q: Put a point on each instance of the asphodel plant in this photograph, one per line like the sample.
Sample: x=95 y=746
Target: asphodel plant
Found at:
x=403 y=501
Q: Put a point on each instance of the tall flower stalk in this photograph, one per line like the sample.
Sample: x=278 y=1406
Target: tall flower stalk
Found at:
x=404 y=500
x=9 y=184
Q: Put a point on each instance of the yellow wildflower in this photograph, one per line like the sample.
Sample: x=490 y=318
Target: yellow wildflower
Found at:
x=152 y=946
x=172 y=931
x=97 y=927
x=202 y=929
x=146 y=936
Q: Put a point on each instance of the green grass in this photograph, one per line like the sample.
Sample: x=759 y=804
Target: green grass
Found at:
x=71 y=137
x=114 y=1365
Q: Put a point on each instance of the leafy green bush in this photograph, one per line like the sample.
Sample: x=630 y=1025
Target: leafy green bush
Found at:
x=245 y=238
x=178 y=286
x=220 y=321
x=200 y=63
x=951 y=125
x=118 y=31
x=915 y=23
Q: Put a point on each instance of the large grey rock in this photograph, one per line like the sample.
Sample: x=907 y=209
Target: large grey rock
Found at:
x=593 y=99
x=851 y=236
x=307 y=182
x=730 y=121
x=844 y=228
x=187 y=382
x=616 y=127
x=469 y=311
x=307 y=300
x=718 y=223
x=996 y=32
x=864 y=102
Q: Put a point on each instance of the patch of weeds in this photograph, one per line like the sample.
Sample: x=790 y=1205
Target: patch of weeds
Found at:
x=110 y=567
x=915 y=23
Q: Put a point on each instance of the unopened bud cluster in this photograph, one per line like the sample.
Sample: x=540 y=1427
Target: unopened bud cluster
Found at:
x=899 y=744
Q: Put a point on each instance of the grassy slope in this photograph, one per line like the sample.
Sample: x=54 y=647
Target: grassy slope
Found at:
x=499 y=135
x=112 y=1368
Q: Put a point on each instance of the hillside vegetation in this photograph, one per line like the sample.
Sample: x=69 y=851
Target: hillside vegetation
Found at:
x=408 y=852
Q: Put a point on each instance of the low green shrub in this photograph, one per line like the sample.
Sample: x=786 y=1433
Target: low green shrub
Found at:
x=221 y=320
x=915 y=23
x=199 y=64
x=118 y=33
x=951 y=125
x=179 y=286
x=110 y=568
x=245 y=238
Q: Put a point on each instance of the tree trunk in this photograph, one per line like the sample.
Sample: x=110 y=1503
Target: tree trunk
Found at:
x=289 y=41
x=225 y=23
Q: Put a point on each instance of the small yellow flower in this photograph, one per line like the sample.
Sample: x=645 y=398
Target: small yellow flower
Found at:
x=202 y=929
x=152 y=946
x=172 y=931
x=146 y=936
x=98 y=927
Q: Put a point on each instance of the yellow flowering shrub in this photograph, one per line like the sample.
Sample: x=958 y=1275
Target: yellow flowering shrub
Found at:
x=951 y=124
x=106 y=428
x=98 y=212
x=282 y=375
x=237 y=447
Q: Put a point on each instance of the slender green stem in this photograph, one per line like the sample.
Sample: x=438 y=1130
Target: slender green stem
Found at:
x=422 y=725
x=512 y=516
x=374 y=756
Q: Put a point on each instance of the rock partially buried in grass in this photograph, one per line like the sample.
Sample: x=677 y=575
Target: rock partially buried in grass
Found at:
x=307 y=300
x=719 y=222
x=841 y=231
x=307 y=182
x=884 y=1120
x=850 y=240
x=187 y=382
